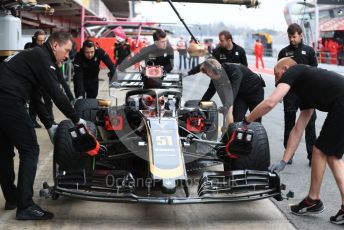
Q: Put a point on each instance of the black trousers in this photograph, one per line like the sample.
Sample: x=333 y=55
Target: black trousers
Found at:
x=91 y=88
x=182 y=58
x=47 y=103
x=244 y=102
x=291 y=105
x=16 y=130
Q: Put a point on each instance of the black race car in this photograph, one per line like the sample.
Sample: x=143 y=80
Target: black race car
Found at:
x=154 y=148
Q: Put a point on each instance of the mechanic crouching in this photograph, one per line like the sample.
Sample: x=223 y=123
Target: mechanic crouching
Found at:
x=86 y=68
x=20 y=76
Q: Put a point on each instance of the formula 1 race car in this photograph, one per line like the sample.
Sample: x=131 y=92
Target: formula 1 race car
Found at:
x=156 y=149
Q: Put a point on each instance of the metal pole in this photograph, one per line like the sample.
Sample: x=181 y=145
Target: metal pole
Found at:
x=182 y=20
x=316 y=45
x=82 y=36
x=247 y=3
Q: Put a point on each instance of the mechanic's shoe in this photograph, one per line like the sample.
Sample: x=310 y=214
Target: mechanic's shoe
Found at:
x=10 y=205
x=339 y=217
x=307 y=206
x=34 y=212
x=36 y=125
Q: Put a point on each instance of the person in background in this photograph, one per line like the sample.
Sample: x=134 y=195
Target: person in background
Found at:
x=259 y=51
x=181 y=48
x=302 y=54
x=160 y=53
x=86 y=68
x=122 y=49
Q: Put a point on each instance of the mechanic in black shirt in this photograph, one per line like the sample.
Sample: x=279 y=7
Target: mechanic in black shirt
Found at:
x=227 y=51
x=160 y=53
x=247 y=88
x=302 y=54
x=220 y=80
x=317 y=89
x=21 y=75
x=41 y=96
x=86 y=68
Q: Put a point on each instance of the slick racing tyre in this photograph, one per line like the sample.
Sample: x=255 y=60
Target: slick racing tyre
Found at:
x=212 y=118
x=65 y=154
x=87 y=108
x=258 y=158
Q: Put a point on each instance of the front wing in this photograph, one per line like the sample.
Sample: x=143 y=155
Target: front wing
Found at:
x=213 y=187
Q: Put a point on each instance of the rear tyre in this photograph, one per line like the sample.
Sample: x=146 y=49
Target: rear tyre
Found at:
x=258 y=159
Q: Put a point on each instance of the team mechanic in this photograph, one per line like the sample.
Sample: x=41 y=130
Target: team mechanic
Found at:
x=302 y=54
x=317 y=89
x=222 y=85
x=40 y=97
x=160 y=53
x=247 y=87
x=20 y=75
x=86 y=68
x=227 y=51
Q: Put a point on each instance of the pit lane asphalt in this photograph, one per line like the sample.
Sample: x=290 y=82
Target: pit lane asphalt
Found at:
x=77 y=214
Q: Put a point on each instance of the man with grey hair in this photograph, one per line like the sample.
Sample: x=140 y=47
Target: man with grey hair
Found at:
x=246 y=89
x=219 y=79
x=20 y=76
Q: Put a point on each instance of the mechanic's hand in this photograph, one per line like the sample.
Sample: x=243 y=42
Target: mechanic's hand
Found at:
x=244 y=124
x=278 y=167
x=51 y=132
x=82 y=122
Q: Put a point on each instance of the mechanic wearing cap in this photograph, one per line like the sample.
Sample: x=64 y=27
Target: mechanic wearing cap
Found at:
x=160 y=53
x=122 y=50
x=20 y=76
x=316 y=89
x=302 y=54
x=86 y=68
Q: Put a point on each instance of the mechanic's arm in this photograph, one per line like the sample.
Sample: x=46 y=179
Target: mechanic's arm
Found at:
x=210 y=92
x=129 y=61
x=79 y=88
x=280 y=55
x=268 y=104
x=107 y=61
x=64 y=84
x=47 y=77
x=195 y=70
x=41 y=109
x=170 y=60
x=297 y=133
x=312 y=58
x=243 y=59
x=229 y=119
